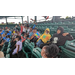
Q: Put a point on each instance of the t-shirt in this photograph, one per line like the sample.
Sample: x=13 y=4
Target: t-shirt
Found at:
x=31 y=34
x=7 y=39
x=9 y=33
x=24 y=30
x=21 y=29
x=20 y=44
x=3 y=32
x=20 y=47
x=60 y=39
x=4 y=38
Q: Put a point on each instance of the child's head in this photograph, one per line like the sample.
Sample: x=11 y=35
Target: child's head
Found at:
x=47 y=31
x=8 y=36
x=34 y=30
x=27 y=26
x=49 y=51
x=30 y=28
x=60 y=30
x=25 y=34
x=18 y=38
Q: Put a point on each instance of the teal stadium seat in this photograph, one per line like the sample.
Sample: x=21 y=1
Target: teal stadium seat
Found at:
x=36 y=53
x=68 y=50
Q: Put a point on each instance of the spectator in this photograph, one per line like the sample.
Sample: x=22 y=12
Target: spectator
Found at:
x=30 y=32
x=7 y=38
x=24 y=29
x=21 y=26
x=16 y=28
x=35 y=35
x=49 y=51
x=59 y=38
x=4 y=37
x=28 y=29
x=24 y=38
x=44 y=38
x=14 y=34
x=18 y=45
x=9 y=32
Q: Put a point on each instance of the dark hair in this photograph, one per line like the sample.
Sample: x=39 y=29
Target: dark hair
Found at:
x=8 y=36
x=19 y=37
x=51 y=51
x=27 y=25
x=35 y=29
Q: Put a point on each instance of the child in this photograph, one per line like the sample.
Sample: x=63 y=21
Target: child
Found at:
x=21 y=28
x=50 y=51
x=24 y=38
x=3 y=36
x=15 y=34
x=18 y=45
x=9 y=32
x=7 y=38
x=28 y=29
x=44 y=38
x=24 y=29
x=34 y=36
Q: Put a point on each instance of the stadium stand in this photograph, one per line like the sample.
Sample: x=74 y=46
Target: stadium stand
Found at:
x=29 y=48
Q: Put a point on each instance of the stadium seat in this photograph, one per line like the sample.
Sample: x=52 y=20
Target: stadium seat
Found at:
x=67 y=53
x=36 y=53
x=7 y=56
x=70 y=45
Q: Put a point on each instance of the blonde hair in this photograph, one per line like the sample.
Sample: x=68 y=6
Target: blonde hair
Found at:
x=1 y=54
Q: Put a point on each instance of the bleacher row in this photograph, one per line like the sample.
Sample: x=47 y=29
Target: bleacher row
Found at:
x=29 y=50
x=68 y=50
x=68 y=27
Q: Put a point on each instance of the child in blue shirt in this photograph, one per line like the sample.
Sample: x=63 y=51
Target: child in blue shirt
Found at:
x=7 y=38
x=9 y=33
x=3 y=36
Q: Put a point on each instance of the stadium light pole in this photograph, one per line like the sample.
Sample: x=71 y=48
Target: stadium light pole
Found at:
x=53 y=18
x=22 y=19
x=28 y=19
x=35 y=18
x=6 y=20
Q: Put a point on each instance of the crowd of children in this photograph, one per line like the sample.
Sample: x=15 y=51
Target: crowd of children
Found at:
x=49 y=44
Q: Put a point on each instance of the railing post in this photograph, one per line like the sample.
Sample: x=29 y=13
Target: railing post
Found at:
x=6 y=20
x=28 y=19
x=22 y=19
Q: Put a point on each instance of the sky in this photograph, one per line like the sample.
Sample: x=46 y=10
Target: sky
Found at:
x=11 y=19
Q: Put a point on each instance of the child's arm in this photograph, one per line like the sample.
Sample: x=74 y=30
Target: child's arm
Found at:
x=18 y=49
x=32 y=36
